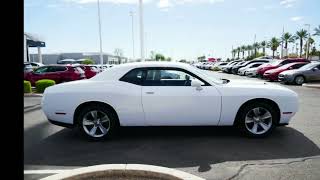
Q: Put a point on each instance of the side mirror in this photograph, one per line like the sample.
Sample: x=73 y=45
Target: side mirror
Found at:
x=197 y=84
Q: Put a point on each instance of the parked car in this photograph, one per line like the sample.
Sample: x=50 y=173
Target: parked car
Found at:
x=90 y=70
x=67 y=61
x=307 y=73
x=208 y=66
x=242 y=71
x=235 y=68
x=36 y=64
x=220 y=65
x=27 y=68
x=228 y=67
x=99 y=105
x=272 y=74
x=277 y=63
x=58 y=73
x=252 y=72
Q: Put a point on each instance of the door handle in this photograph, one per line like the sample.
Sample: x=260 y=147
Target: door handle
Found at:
x=149 y=92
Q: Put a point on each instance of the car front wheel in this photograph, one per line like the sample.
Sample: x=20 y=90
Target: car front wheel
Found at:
x=257 y=119
x=299 y=80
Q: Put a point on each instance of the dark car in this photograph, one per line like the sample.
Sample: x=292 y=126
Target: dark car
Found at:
x=307 y=73
x=228 y=67
x=90 y=70
x=58 y=73
x=235 y=68
x=277 y=63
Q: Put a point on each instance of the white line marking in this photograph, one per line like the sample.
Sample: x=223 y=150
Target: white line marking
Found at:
x=56 y=171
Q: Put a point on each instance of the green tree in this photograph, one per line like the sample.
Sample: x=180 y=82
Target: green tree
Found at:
x=301 y=35
x=159 y=57
x=317 y=31
x=287 y=38
x=256 y=47
x=234 y=51
x=263 y=45
x=249 y=49
x=168 y=59
x=88 y=61
x=238 y=51
x=274 y=44
x=243 y=49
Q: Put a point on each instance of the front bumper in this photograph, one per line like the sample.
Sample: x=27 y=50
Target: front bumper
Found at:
x=271 y=77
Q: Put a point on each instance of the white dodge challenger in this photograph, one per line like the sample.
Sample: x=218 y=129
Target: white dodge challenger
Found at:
x=167 y=94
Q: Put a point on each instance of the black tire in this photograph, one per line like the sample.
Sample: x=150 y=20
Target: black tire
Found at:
x=240 y=121
x=112 y=123
x=297 y=80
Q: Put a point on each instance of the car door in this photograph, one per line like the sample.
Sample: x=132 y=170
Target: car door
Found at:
x=39 y=74
x=53 y=73
x=169 y=99
x=315 y=74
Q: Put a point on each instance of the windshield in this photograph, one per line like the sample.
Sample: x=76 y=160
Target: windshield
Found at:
x=207 y=75
x=275 y=62
x=309 y=66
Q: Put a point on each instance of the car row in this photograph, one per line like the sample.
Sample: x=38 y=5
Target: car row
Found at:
x=289 y=70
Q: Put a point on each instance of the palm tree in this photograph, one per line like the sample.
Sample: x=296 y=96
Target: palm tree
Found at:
x=263 y=45
x=243 y=48
x=249 y=49
x=302 y=34
x=317 y=31
x=287 y=38
x=274 y=44
x=238 y=51
x=256 y=46
x=234 y=51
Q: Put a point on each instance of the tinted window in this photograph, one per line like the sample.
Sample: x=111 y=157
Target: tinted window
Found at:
x=41 y=70
x=296 y=66
x=168 y=77
x=134 y=77
x=256 y=65
x=58 y=68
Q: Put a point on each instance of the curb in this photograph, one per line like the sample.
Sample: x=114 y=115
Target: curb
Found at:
x=311 y=85
x=32 y=95
x=123 y=167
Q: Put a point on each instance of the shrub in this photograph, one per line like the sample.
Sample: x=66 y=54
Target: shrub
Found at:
x=87 y=61
x=26 y=87
x=41 y=85
x=216 y=69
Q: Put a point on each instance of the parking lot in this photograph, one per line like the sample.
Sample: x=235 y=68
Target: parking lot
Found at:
x=291 y=152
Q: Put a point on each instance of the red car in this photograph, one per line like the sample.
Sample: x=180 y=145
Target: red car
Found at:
x=58 y=73
x=90 y=70
x=277 y=63
x=272 y=74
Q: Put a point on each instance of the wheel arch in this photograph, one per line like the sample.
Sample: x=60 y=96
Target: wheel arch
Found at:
x=88 y=103
x=265 y=100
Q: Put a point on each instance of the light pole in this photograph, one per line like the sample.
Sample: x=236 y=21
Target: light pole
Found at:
x=101 y=55
x=141 y=30
x=282 y=43
x=131 y=14
x=308 y=44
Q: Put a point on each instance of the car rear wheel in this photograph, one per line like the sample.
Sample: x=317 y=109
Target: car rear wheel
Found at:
x=257 y=119
x=299 y=80
x=97 y=122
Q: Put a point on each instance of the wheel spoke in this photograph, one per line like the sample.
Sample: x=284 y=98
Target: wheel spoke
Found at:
x=93 y=131
x=86 y=122
x=264 y=126
x=94 y=114
x=255 y=128
x=103 y=129
x=256 y=111
x=266 y=115
x=104 y=119
x=249 y=120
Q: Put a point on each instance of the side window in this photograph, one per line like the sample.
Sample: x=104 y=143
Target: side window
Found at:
x=133 y=76
x=297 y=66
x=168 y=77
x=41 y=70
x=256 y=65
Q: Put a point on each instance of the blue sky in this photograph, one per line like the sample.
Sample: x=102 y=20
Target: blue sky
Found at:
x=175 y=28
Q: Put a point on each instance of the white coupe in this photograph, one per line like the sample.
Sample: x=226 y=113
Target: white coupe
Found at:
x=167 y=94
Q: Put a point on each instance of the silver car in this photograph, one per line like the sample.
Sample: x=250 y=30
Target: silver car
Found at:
x=307 y=73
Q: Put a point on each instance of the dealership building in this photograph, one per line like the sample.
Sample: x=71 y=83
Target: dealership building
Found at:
x=32 y=41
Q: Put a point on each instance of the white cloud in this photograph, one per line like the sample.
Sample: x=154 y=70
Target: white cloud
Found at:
x=296 y=18
x=287 y=3
x=164 y=4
